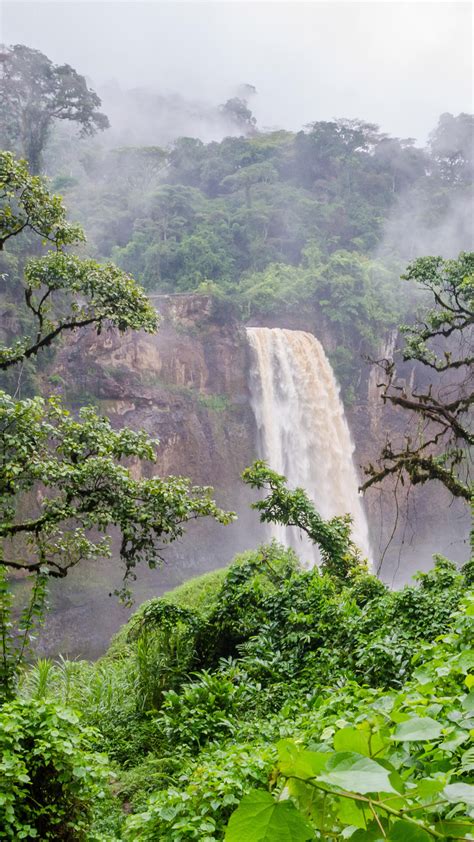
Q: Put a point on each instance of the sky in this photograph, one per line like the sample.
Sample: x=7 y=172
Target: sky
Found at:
x=396 y=64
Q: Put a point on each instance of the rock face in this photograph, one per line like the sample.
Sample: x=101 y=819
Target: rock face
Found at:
x=188 y=386
x=408 y=524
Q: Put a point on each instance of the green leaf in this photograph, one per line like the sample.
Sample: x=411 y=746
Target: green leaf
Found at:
x=466 y=660
x=352 y=739
x=468 y=702
x=371 y=834
x=299 y=763
x=351 y=813
x=259 y=818
x=357 y=773
x=460 y=792
x=358 y=740
x=417 y=728
x=404 y=831
x=454 y=829
x=427 y=787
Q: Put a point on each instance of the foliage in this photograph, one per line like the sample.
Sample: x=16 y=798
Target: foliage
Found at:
x=451 y=146
x=269 y=653
x=33 y=93
x=67 y=472
x=79 y=460
x=294 y=508
x=205 y=710
x=208 y=791
x=86 y=490
x=16 y=643
x=392 y=770
x=245 y=218
x=237 y=111
x=437 y=444
x=52 y=783
x=263 y=701
x=27 y=203
x=62 y=292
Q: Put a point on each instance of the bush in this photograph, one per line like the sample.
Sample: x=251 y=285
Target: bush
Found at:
x=207 y=793
x=205 y=710
x=50 y=779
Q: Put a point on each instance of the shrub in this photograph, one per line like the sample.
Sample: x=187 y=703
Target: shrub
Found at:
x=207 y=793
x=50 y=778
x=205 y=710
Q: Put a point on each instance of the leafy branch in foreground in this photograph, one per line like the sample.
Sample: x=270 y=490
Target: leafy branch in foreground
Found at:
x=73 y=469
x=61 y=291
x=66 y=487
x=396 y=768
x=69 y=475
x=340 y=556
x=439 y=434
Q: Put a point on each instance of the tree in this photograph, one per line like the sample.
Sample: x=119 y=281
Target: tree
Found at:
x=247 y=177
x=61 y=291
x=326 y=148
x=239 y=114
x=66 y=485
x=452 y=147
x=440 y=432
x=340 y=556
x=33 y=93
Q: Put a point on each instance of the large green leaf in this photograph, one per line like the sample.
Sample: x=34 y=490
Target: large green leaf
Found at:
x=352 y=812
x=299 y=763
x=417 y=728
x=468 y=702
x=460 y=792
x=352 y=739
x=358 y=740
x=352 y=771
x=404 y=831
x=454 y=829
x=259 y=818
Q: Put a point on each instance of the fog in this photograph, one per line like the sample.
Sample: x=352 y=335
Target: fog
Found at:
x=397 y=64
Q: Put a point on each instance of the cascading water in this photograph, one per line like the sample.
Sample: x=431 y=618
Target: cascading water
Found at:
x=302 y=429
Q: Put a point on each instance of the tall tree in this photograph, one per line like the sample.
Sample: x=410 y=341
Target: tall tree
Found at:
x=239 y=114
x=33 y=93
x=452 y=147
x=65 y=485
x=440 y=434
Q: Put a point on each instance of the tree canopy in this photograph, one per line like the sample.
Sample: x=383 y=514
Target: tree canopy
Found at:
x=33 y=93
x=69 y=484
x=61 y=291
x=440 y=437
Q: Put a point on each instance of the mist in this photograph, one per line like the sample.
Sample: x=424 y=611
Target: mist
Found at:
x=396 y=64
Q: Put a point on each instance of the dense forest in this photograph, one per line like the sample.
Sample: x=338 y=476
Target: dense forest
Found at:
x=264 y=700
x=325 y=219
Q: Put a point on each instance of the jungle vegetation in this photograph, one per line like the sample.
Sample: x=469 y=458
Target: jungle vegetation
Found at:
x=263 y=701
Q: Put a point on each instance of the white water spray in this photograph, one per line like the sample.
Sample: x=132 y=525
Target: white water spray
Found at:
x=302 y=429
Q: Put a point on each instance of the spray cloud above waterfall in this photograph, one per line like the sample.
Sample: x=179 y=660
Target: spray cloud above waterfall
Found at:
x=396 y=64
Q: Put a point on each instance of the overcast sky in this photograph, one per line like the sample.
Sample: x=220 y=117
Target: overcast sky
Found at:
x=397 y=64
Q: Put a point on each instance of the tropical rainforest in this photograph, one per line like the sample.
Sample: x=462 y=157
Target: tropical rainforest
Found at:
x=262 y=701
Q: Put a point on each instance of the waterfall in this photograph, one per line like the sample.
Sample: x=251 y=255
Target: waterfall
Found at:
x=302 y=429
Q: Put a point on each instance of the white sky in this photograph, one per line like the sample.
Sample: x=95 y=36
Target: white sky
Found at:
x=397 y=64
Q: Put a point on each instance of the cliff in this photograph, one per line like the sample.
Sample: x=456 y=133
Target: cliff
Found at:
x=188 y=386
